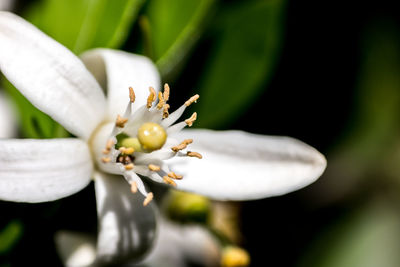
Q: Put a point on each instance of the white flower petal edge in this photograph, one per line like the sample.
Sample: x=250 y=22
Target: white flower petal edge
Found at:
x=43 y=170
x=122 y=70
x=176 y=244
x=7 y=120
x=75 y=249
x=50 y=76
x=126 y=227
x=243 y=166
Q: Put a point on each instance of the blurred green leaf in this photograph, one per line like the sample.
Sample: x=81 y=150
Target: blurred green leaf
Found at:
x=10 y=235
x=241 y=62
x=32 y=122
x=174 y=27
x=369 y=237
x=85 y=24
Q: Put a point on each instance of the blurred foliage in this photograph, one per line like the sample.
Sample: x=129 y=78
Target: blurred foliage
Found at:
x=10 y=235
x=242 y=60
x=84 y=24
x=365 y=237
x=173 y=28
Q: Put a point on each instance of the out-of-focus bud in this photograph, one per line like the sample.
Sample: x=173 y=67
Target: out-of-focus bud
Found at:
x=233 y=256
x=187 y=207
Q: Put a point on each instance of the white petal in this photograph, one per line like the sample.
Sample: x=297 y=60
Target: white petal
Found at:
x=177 y=244
x=43 y=170
x=7 y=119
x=75 y=249
x=123 y=70
x=239 y=166
x=126 y=227
x=50 y=76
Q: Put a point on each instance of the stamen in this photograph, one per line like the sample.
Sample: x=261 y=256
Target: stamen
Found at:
x=133 y=187
x=175 y=176
x=105 y=159
x=127 y=151
x=132 y=95
x=148 y=198
x=160 y=101
x=129 y=166
x=165 y=111
x=191 y=100
x=169 y=181
x=154 y=168
x=106 y=151
x=194 y=154
x=182 y=145
x=109 y=144
x=120 y=122
x=166 y=92
x=192 y=119
x=152 y=97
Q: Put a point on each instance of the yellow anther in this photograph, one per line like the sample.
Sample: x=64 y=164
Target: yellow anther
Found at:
x=126 y=151
x=133 y=187
x=160 y=101
x=233 y=256
x=105 y=151
x=105 y=159
x=129 y=166
x=132 y=95
x=152 y=97
x=151 y=136
x=132 y=142
x=154 y=168
x=165 y=111
x=109 y=144
x=182 y=145
x=194 y=154
x=166 y=92
x=169 y=181
x=120 y=122
x=148 y=198
x=192 y=118
x=191 y=100
x=175 y=176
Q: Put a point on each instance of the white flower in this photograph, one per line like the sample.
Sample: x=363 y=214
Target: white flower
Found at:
x=236 y=165
x=7 y=126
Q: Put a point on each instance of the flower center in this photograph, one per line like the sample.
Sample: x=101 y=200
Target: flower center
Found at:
x=140 y=142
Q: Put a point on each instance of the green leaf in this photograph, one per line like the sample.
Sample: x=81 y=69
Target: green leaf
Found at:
x=368 y=237
x=241 y=62
x=173 y=28
x=85 y=24
x=32 y=122
x=10 y=235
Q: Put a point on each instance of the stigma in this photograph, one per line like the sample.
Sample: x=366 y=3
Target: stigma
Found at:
x=139 y=143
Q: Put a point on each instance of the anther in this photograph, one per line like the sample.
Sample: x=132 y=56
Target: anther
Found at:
x=106 y=151
x=182 y=145
x=194 y=154
x=154 y=168
x=129 y=166
x=105 y=159
x=133 y=187
x=148 y=198
x=166 y=92
x=175 y=176
x=160 y=101
x=165 y=111
x=169 y=181
x=192 y=118
x=191 y=100
x=120 y=122
x=132 y=96
x=109 y=144
x=127 y=151
x=152 y=97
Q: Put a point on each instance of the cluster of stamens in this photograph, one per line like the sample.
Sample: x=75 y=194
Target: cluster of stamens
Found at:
x=145 y=143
